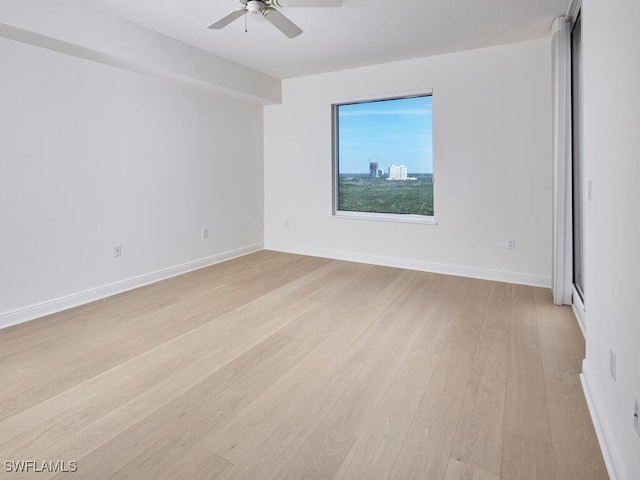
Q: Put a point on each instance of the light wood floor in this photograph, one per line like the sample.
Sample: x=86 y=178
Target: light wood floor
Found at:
x=284 y=367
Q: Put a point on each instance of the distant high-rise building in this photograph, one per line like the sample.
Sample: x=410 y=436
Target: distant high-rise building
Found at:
x=373 y=169
x=380 y=173
x=397 y=172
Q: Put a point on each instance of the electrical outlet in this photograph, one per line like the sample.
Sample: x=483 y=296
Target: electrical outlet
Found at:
x=510 y=244
x=204 y=233
x=612 y=364
x=117 y=250
x=636 y=417
x=286 y=224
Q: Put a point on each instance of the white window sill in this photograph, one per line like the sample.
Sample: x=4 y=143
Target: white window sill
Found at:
x=386 y=217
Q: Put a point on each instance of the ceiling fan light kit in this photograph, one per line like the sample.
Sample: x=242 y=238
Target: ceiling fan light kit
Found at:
x=267 y=8
x=256 y=6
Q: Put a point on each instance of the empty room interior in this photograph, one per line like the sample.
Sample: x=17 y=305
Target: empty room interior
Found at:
x=319 y=239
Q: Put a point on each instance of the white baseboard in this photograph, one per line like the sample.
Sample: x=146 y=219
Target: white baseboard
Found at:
x=458 y=270
x=612 y=462
x=59 y=304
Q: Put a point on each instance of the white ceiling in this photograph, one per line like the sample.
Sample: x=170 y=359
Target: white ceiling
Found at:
x=361 y=32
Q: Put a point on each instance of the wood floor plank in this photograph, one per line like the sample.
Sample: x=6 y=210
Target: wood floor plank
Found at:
x=461 y=471
x=347 y=411
x=165 y=460
x=227 y=391
x=468 y=301
x=499 y=307
x=380 y=368
x=367 y=345
x=77 y=324
x=313 y=372
x=276 y=446
x=427 y=446
x=525 y=458
x=80 y=444
x=576 y=450
x=279 y=366
x=184 y=417
x=64 y=369
x=526 y=410
x=30 y=439
x=114 y=386
x=105 y=313
x=479 y=433
x=319 y=457
x=387 y=424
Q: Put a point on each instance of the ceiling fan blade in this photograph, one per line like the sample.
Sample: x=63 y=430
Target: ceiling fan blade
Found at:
x=282 y=23
x=307 y=3
x=224 y=21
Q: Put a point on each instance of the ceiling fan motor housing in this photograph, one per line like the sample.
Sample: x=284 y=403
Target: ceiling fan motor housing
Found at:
x=255 y=6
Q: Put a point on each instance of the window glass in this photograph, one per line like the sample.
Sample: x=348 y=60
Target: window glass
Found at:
x=383 y=160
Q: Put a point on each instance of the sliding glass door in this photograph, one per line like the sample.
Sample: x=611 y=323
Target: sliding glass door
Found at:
x=578 y=198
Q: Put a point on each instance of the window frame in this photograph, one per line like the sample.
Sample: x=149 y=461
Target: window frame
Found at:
x=335 y=171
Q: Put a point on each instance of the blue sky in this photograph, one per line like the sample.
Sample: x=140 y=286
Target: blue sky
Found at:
x=389 y=132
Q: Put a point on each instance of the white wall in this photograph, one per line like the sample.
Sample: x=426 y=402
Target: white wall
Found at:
x=492 y=157
x=84 y=30
x=611 y=80
x=93 y=156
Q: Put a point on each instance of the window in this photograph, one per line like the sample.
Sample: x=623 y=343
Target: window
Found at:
x=382 y=158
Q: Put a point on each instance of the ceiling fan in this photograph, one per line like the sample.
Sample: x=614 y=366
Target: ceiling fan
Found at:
x=267 y=8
